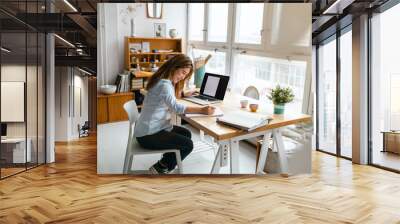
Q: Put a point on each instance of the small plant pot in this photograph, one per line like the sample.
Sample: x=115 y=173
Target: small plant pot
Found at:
x=279 y=108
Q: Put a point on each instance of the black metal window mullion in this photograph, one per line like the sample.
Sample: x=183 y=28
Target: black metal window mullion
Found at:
x=338 y=93
x=37 y=91
x=317 y=94
x=0 y=94
x=26 y=87
x=369 y=89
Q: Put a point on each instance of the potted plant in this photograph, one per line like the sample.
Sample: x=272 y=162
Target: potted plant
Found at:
x=280 y=96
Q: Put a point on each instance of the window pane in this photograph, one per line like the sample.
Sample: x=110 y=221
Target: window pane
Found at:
x=249 y=22
x=346 y=94
x=218 y=22
x=385 y=88
x=265 y=73
x=196 y=21
x=216 y=64
x=327 y=97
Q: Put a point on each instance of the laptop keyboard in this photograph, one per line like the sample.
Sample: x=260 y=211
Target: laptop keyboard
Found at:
x=205 y=98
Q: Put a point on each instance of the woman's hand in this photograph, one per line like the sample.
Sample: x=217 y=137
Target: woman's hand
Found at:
x=208 y=110
x=189 y=93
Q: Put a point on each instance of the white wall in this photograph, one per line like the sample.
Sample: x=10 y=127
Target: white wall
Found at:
x=67 y=115
x=114 y=25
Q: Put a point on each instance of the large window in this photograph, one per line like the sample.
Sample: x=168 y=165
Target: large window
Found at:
x=265 y=73
x=249 y=23
x=234 y=36
x=385 y=88
x=196 y=21
x=334 y=94
x=346 y=94
x=217 y=22
x=217 y=62
x=327 y=97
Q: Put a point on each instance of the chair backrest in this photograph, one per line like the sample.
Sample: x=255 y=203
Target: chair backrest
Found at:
x=252 y=92
x=132 y=111
x=86 y=125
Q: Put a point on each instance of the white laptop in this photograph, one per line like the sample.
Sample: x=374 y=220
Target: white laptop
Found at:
x=212 y=90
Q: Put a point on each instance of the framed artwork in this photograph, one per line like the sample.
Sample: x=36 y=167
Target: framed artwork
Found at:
x=160 y=29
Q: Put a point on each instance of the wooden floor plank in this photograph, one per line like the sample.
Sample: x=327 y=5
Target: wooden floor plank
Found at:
x=70 y=191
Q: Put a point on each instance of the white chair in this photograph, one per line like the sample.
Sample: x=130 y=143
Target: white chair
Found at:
x=252 y=92
x=133 y=148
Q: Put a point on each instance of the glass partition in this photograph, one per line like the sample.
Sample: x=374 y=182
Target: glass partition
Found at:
x=14 y=153
x=22 y=67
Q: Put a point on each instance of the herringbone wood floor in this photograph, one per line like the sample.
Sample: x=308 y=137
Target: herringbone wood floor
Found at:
x=70 y=191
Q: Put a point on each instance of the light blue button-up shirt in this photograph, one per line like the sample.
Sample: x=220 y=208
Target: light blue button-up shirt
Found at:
x=158 y=104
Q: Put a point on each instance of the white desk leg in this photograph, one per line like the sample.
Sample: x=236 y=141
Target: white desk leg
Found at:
x=221 y=157
x=263 y=153
x=217 y=161
x=201 y=135
x=234 y=156
x=281 y=152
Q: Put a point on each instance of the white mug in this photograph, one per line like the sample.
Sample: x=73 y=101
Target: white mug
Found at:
x=244 y=103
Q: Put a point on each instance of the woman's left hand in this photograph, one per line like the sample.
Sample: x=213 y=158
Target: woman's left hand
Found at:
x=189 y=93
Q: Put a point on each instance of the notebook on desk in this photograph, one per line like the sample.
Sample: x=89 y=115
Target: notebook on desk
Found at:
x=217 y=113
x=244 y=121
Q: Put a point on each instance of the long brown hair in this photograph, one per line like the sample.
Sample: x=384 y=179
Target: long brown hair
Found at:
x=167 y=70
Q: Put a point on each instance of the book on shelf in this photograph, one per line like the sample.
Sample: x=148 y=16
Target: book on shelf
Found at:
x=135 y=47
x=244 y=120
x=122 y=83
x=145 y=47
x=166 y=51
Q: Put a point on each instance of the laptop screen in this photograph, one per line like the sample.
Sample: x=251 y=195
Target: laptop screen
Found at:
x=214 y=85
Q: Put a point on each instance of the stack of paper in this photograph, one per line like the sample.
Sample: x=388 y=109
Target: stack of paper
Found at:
x=136 y=84
x=243 y=120
x=217 y=113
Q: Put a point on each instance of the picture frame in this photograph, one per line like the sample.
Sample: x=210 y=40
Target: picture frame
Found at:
x=146 y=47
x=135 y=47
x=160 y=29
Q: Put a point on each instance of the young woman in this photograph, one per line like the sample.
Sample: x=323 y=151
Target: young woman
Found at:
x=153 y=129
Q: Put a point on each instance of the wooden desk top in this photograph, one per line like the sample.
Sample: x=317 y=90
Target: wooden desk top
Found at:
x=232 y=103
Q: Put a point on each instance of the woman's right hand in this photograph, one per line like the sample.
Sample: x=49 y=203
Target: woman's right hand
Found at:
x=208 y=110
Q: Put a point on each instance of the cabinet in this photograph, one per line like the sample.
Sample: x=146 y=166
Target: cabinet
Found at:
x=110 y=107
x=391 y=141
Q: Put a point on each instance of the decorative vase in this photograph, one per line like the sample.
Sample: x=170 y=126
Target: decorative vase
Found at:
x=279 y=108
x=199 y=75
x=172 y=33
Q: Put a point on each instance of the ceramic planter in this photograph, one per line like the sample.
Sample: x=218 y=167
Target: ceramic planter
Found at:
x=279 y=108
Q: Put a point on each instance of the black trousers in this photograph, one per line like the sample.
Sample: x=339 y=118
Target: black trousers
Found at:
x=177 y=138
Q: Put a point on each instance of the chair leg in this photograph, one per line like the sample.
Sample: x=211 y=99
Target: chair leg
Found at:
x=179 y=161
x=127 y=162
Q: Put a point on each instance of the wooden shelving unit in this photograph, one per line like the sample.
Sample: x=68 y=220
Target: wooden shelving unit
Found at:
x=137 y=57
x=140 y=60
